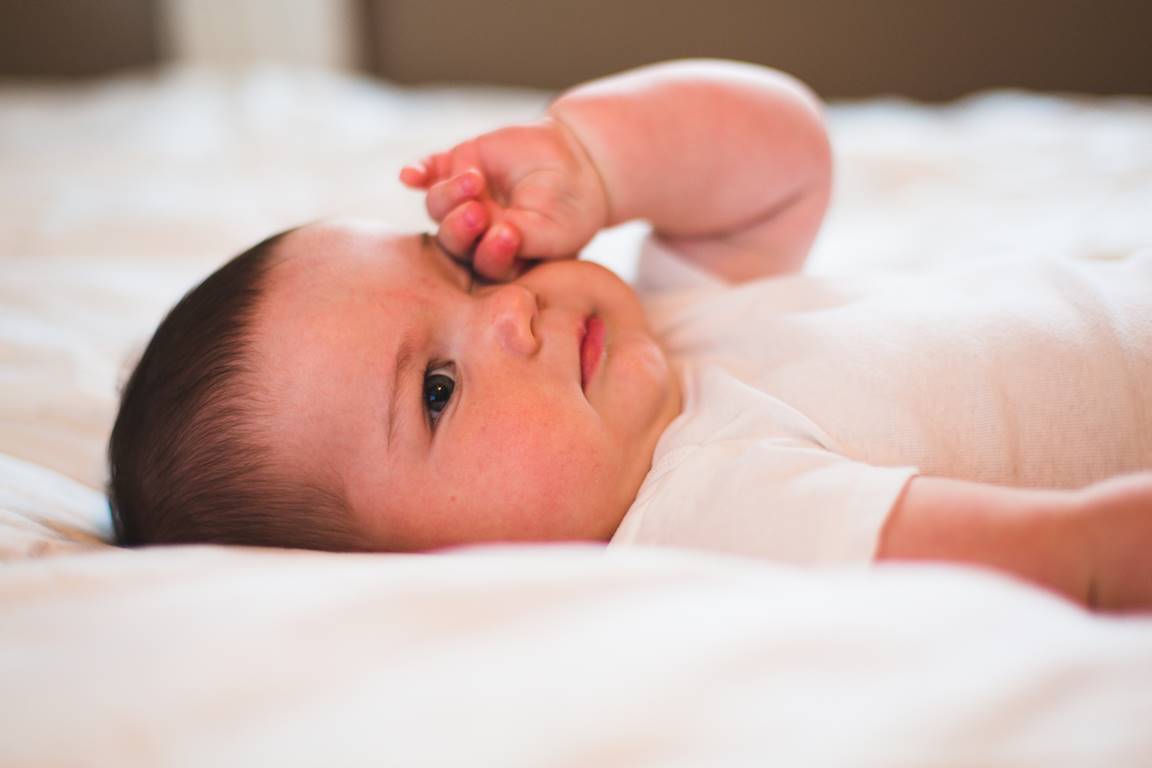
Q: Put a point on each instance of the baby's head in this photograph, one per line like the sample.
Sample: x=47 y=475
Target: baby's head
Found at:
x=343 y=386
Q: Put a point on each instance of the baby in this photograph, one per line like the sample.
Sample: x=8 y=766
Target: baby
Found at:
x=343 y=386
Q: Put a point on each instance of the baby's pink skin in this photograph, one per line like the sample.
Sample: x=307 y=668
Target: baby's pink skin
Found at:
x=644 y=144
x=521 y=453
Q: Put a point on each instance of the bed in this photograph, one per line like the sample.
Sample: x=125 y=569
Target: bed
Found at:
x=117 y=196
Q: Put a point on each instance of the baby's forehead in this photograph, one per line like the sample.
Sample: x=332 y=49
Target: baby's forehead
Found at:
x=326 y=301
x=348 y=238
x=335 y=255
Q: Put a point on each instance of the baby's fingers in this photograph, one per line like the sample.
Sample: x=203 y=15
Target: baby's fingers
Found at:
x=446 y=196
x=414 y=176
x=427 y=172
x=461 y=227
x=496 y=254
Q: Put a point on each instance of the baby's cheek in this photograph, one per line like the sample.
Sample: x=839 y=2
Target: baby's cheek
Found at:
x=642 y=382
x=550 y=477
x=553 y=460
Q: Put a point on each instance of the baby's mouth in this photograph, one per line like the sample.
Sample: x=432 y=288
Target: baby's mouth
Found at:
x=591 y=349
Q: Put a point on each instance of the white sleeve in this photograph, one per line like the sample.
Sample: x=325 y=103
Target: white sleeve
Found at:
x=660 y=271
x=778 y=499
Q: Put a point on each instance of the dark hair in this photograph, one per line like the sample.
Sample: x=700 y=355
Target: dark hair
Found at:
x=187 y=462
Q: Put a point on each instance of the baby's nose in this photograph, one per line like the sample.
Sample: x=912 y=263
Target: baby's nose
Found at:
x=513 y=310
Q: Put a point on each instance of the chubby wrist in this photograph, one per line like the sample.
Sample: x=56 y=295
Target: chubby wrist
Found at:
x=1113 y=521
x=588 y=172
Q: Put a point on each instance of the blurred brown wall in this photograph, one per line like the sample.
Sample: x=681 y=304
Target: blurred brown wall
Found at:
x=931 y=49
x=69 y=38
x=935 y=49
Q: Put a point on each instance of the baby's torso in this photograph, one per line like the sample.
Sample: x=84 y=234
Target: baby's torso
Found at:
x=1034 y=373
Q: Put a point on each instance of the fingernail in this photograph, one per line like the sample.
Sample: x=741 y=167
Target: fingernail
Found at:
x=472 y=218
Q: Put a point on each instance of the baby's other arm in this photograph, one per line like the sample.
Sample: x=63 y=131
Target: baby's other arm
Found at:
x=730 y=162
x=1093 y=545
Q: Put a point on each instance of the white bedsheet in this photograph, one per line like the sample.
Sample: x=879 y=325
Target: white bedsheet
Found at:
x=115 y=198
x=205 y=656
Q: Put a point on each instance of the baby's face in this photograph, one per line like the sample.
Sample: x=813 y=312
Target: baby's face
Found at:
x=449 y=412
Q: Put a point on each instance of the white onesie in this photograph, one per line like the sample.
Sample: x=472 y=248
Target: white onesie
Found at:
x=810 y=402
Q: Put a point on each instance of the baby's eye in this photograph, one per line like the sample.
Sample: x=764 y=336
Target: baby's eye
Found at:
x=438 y=388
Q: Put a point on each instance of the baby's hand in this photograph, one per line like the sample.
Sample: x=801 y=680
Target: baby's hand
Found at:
x=515 y=194
x=1118 y=527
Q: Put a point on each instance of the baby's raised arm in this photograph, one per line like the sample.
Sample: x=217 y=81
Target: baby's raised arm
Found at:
x=728 y=161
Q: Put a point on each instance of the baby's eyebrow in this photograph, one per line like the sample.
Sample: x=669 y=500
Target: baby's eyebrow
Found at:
x=400 y=373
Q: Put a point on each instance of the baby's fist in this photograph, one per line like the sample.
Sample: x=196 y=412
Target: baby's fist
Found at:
x=516 y=194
